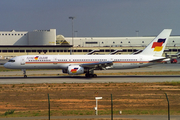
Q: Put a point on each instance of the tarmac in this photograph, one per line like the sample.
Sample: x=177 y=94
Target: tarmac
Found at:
x=16 y=77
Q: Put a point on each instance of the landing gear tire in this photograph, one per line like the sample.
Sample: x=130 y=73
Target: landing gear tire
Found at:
x=91 y=75
x=24 y=73
x=94 y=75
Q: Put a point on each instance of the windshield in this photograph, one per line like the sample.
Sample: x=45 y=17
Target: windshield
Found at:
x=11 y=61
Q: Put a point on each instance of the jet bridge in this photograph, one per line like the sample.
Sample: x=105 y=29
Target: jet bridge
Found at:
x=92 y=52
x=137 y=52
x=114 y=52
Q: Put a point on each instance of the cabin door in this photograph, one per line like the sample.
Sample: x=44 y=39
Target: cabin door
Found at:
x=23 y=61
x=55 y=61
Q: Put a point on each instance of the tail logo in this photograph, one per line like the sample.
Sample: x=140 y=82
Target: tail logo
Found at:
x=74 y=70
x=158 y=45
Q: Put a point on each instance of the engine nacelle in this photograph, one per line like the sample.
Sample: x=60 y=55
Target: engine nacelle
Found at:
x=75 y=70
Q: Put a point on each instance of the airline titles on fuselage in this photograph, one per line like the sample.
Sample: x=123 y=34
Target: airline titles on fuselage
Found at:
x=37 y=58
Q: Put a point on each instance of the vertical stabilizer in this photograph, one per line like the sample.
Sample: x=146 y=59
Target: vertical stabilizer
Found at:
x=157 y=46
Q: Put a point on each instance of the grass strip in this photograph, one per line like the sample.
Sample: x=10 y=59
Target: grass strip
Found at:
x=89 y=112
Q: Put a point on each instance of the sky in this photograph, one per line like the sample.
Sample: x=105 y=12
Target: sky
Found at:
x=93 y=18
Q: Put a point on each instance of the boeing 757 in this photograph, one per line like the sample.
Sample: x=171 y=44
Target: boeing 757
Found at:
x=86 y=64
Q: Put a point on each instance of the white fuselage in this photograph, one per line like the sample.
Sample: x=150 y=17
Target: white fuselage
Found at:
x=63 y=61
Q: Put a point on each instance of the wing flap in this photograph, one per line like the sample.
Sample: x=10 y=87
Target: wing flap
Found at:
x=98 y=65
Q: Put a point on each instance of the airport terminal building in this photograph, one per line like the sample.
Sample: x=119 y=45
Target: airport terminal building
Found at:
x=15 y=43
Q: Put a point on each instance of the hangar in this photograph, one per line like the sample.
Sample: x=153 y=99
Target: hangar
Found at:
x=15 y=43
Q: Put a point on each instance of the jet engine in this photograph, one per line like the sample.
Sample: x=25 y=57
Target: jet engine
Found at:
x=75 y=70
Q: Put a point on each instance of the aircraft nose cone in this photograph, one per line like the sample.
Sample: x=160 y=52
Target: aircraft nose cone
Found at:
x=6 y=65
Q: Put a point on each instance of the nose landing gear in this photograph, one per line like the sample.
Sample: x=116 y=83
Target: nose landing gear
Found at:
x=24 y=73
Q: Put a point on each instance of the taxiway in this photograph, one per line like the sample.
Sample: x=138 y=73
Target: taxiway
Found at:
x=12 y=77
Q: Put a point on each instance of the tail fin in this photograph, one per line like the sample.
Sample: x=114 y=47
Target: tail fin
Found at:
x=157 y=46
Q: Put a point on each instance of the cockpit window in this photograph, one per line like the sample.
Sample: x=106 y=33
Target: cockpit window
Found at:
x=11 y=61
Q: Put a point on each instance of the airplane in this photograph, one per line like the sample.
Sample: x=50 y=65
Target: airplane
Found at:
x=86 y=64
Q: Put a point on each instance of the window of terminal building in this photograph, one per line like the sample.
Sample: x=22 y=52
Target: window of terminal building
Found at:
x=91 y=42
x=174 y=50
x=101 y=50
x=129 y=50
x=142 y=41
x=16 y=50
x=61 y=50
x=10 y=50
x=129 y=42
x=0 y=50
x=107 y=50
x=79 y=50
x=124 y=50
x=134 y=50
x=39 y=50
x=44 y=51
x=33 y=50
x=28 y=51
x=70 y=50
x=4 y=50
x=22 y=50
x=54 y=50
x=85 y=50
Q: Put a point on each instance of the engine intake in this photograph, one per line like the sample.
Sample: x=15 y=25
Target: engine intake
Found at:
x=75 y=70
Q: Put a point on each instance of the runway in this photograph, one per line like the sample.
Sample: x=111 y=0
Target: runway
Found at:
x=12 y=78
x=82 y=79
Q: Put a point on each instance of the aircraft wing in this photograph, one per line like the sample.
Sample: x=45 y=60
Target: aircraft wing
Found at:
x=98 y=65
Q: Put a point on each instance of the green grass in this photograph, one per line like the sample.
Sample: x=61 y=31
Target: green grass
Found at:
x=174 y=83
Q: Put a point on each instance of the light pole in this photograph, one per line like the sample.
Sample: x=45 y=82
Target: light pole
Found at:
x=137 y=33
x=76 y=32
x=72 y=34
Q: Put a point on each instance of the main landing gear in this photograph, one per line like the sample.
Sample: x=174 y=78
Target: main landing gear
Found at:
x=24 y=73
x=90 y=74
